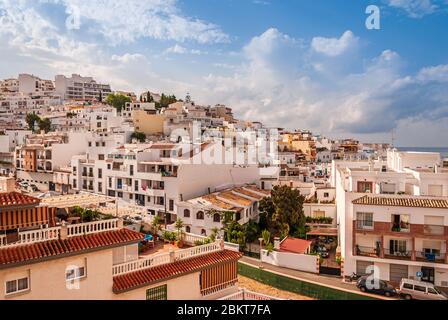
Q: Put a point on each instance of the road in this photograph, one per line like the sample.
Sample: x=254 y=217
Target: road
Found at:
x=328 y=281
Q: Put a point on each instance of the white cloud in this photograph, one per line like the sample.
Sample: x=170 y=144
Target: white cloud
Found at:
x=178 y=49
x=415 y=8
x=279 y=85
x=334 y=46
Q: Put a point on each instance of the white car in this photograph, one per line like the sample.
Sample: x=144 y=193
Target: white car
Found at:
x=419 y=290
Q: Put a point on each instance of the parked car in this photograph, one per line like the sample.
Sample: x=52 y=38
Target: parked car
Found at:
x=383 y=287
x=419 y=290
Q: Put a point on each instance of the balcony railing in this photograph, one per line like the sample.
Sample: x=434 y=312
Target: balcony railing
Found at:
x=364 y=225
x=244 y=294
x=398 y=254
x=430 y=257
x=164 y=258
x=47 y=234
x=433 y=229
x=367 y=251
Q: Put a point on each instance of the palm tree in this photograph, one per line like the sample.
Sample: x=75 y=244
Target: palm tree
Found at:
x=214 y=233
x=266 y=235
x=179 y=224
x=155 y=224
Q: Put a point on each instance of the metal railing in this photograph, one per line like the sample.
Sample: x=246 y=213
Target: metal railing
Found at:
x=367 y=251
x=431 y=256
x=398 y=254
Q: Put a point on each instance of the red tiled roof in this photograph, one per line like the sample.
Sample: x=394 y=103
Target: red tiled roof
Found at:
x=16 y=198
x=54 y=248
x=402 y=202
x=295 y=245
x=144 y=277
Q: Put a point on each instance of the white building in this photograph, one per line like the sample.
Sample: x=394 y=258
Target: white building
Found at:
x=80 y=88
x=202 y=214
x=394 y=215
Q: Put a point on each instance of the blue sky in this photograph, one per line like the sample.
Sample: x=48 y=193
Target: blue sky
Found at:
x=295 y=64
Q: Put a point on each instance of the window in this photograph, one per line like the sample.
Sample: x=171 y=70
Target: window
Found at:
x=171 y=205
x=74 y=183
x=365 y=187
x=326 y=194
x=364 y=220
x=100 y=187
x=408 y=286
x=397 y=247
x=432 y=291
x=186 y=213
x=157 y=293
x=200 y=215
x=216 y=217
x=18 y=285
x=400 y=223
x=75 y=273
x=419 y=288
x=100 y=173
x=188 y=229
x=101 y=157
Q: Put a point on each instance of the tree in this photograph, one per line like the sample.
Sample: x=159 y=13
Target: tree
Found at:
x=251 y=232
x=165 y=101
x=44 y=124
x=155 y=224
x=140 y=136
x=149 y=97
x=31 y=120
x=179 y=225
x=214 y=234
x=282 y=213
x=118 y=101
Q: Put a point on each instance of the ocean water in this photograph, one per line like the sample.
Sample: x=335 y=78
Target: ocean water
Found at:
x=442 y=151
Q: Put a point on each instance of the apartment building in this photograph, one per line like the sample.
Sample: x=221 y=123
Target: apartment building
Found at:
x=44 y=258
x=37 y=159
x=392 y=214
x=202 y=214
x=30 y=84
x=80 y=88
x=157 y=175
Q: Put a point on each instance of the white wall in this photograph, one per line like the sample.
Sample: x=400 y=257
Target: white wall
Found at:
x=302 y=262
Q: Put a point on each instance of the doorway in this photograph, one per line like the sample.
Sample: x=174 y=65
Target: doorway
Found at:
x=428 y=274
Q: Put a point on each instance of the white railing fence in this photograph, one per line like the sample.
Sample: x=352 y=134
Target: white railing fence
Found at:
x=244 y=294
x=164 y=258
x=54 y=233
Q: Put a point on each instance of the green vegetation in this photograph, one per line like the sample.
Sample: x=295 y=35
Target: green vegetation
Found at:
x=33 y=119
x=86 y=215
x=165 y=101
x=140 y=136
x=118 y=101
x=282 y=213
x=303 y=288
x=321 y=220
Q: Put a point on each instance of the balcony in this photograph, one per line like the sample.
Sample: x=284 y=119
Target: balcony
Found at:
x=367 y=251
x=364 y=225
x=424 y=256
x=398 y=254
x=46 y=234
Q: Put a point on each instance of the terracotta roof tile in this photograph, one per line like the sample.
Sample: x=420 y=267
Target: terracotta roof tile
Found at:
x=144 y=277
x=295 y=245
x=402 y=202
x=53 y=248
x=16 y=199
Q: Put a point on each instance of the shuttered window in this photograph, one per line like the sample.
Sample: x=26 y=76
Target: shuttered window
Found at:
x=218 y=278
x=157 y=293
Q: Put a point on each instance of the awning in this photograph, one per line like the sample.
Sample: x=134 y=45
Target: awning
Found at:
x=331 y=232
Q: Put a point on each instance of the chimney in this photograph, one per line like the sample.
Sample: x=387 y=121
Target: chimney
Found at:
x=277 y=243
x=63 y=233
x=436 y=168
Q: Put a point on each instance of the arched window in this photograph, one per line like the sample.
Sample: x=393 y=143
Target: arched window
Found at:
x=200 y=215
x=203 y=232
x=187 y=213
x=188 y=229
x=216 y=217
